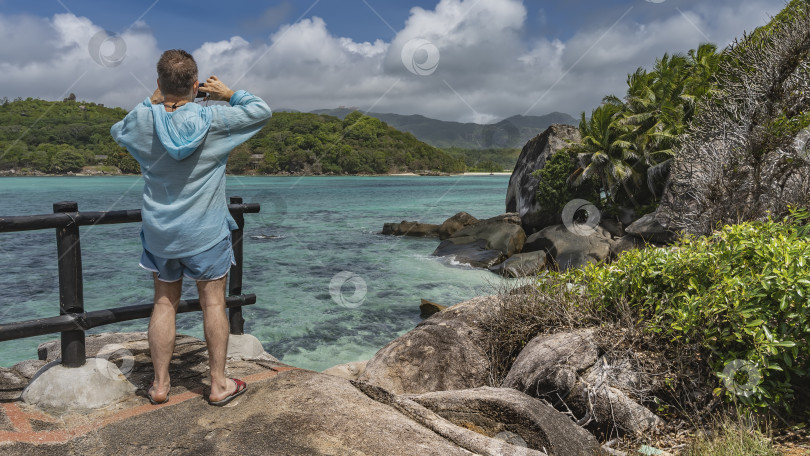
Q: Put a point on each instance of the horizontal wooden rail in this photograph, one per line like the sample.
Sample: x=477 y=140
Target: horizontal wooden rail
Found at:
x=88 y=320
x=63 y=219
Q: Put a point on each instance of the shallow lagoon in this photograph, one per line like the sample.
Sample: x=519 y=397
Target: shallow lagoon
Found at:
x=312 y=235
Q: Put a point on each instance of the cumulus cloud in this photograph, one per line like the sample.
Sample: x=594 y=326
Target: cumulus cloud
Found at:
x=491 y=63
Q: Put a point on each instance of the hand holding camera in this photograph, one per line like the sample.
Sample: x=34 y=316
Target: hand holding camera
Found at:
x=214 y=89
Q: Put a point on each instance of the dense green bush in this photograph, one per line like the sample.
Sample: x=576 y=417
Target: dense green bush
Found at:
x=741 y=294
x=554 y=191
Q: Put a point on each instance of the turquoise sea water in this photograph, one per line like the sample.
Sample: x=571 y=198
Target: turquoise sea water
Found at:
x=330 y=288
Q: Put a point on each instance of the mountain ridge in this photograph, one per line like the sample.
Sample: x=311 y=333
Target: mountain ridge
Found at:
x=512 y=132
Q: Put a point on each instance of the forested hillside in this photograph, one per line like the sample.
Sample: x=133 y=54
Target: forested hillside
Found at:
x=321 y=144
x=60 y=137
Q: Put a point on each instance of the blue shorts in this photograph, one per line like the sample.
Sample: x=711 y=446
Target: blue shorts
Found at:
x=212 y=264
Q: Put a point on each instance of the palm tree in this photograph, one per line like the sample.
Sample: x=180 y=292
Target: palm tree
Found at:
x=634 y=139
x=605 y=154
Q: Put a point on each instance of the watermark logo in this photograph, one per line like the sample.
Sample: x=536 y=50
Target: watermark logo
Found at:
x=802 y=144
x=107 y=49
x=507 y=443
x=339 y=285
x=500 y=136
x=740 y=377
x=655 y=1
x=106 y=357
x=420 y=57
x=581 y=217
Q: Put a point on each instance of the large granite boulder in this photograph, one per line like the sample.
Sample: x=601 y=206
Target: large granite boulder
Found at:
x=522 y=265
x=650 y=229
x=521 y=194
x=292 y=412
x=505 y=411
x=475 y=252
x=443 y=352
x=572 y=371
x=455 y=223
x=486 y=243
x=552 y=362
x=569 y=249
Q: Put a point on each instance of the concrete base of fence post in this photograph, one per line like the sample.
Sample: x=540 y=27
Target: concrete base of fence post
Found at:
x=246 y=346
x=95 y=384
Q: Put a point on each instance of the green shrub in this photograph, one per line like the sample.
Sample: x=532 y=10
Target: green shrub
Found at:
x=553 y=191
x=741 y=294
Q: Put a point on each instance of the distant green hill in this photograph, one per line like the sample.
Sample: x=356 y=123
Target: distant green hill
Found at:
x=321 y=144
x=60 y=137
x=509 y=133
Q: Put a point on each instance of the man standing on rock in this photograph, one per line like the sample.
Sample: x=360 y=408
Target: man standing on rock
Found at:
x=182 y=148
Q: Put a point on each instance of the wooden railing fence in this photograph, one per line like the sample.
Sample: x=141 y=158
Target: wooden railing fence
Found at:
x=73 y=320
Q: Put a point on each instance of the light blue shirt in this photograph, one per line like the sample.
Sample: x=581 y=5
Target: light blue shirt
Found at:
x=183 y=156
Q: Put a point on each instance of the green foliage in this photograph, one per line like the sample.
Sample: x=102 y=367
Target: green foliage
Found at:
x=740 y=293
x=607 y=153
x=359 y=144
x=57 y=137
x=122 y=160
x=486 y=160
x=67 y=160
x=629 y=142
x=553 y=191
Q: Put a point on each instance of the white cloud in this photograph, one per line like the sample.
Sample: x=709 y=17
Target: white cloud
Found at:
x=488 y=69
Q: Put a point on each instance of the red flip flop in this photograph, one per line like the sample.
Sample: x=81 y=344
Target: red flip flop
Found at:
x=241 y=387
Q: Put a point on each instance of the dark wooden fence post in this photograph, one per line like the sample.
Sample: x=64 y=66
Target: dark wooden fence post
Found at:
x=237 y=322
x=71 y=292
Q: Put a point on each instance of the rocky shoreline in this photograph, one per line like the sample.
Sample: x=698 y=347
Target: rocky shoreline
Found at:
x=431 y=387
x=526 y=240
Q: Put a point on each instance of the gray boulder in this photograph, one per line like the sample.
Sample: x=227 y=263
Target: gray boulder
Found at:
x=473 y=252
x=486 y=243
x=444 y=352
x=415 y=229
x=521 y=193
x=522 y=265
x=455 y=223
x=568 y=249
x=349 y=371
x=612 y=225
x=650 y=230
x=428 y=308
x=599 y=394
x=625 y=243
x=552 y=362
x=569 y=370
x=503 y=411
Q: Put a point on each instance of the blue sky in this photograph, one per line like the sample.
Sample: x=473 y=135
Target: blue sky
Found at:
x=493 y=58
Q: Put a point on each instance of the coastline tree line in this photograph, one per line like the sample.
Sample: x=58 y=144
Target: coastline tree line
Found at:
x=38 y=136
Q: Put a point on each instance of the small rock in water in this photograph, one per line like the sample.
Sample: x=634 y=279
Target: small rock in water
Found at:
x=428 y=308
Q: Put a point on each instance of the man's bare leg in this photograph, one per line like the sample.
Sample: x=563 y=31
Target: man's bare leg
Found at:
x=162 y=333
x=215 y=322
